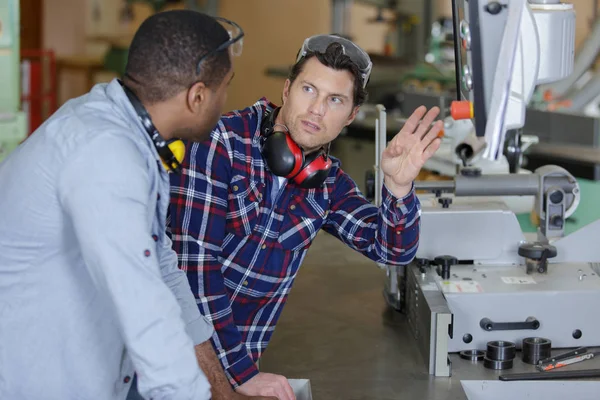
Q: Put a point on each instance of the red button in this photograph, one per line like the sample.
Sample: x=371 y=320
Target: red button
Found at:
x=461 y=110
x=155 y=238
x=147 y=253
x=126 y=379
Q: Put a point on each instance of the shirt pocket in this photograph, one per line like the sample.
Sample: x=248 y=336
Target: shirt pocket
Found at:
x=244 y=199
x=302 y=221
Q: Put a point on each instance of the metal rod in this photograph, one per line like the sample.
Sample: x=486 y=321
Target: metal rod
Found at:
x=381 y=133
x=340 y=17
x=376 y=166
x=497 y=185
x=435 y=186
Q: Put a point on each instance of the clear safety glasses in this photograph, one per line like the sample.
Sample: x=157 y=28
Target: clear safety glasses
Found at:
x=359 y=57
x=235 y=43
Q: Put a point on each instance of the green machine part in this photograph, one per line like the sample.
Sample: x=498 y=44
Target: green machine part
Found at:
x=13 y=126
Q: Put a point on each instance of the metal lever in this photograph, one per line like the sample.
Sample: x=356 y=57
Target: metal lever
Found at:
x=488 y=325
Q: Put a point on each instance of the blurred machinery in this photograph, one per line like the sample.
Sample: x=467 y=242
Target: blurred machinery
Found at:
x=408 y=29
x=580 y=91
x=417 y=53
x=13 y=125
x=435 y=73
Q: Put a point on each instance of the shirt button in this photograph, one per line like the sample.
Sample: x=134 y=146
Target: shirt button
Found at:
x=147 y=253
x=259 y=196
x=235 y=188
x=264 y=246
x=292 y=207
x=398 y=232
x=245 y=283
x=126 y=379
x=155 y=238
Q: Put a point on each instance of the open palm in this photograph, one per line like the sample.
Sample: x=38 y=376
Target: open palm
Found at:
x=416 y=142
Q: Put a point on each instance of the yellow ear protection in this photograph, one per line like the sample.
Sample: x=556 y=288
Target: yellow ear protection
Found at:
x=171 y=152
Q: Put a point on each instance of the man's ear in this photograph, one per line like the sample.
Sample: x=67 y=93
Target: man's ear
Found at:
x=352 y=115
x=197 y=96
x=286 y=91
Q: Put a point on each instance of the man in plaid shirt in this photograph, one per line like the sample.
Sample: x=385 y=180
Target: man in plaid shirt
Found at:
x=242 y=224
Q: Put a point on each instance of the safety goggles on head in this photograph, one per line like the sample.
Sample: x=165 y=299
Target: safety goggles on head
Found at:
x=319 y=43
x=234 y=44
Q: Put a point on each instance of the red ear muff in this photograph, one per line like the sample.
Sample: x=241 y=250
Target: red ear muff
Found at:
x=315 y=171
x=298 y=156
x=282 y=154
x=285 y=158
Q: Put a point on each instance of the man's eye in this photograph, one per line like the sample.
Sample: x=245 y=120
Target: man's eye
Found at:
x=336 y=100
x=307 y=88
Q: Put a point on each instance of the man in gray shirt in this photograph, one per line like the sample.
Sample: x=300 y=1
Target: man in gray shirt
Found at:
x=90 y=291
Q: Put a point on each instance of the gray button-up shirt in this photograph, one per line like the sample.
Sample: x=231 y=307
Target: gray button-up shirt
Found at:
x=89 y=286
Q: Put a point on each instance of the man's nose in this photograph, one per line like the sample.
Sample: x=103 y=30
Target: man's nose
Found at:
x=318 y=107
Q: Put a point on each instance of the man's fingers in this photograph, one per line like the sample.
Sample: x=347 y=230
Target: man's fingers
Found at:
x=433 y=134
x=418 y=125
x=282 y=394
x=289 y=392
x=412 y=122
x=432 y=148
x=426 y=122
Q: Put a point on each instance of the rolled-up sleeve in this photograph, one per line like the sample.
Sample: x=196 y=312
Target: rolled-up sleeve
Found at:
x=105 y=190
x=198 y=327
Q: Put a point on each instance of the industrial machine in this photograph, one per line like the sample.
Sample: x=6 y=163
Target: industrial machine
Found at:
x=13 y=125
x=477 y=278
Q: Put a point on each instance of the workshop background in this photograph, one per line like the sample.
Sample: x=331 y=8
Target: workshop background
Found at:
x=337 y=329
x=88 y=42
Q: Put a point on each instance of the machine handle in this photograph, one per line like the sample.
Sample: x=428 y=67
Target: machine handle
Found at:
x=488 y=325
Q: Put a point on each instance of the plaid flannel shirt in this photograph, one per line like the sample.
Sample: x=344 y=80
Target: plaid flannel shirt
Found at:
x=242 y=251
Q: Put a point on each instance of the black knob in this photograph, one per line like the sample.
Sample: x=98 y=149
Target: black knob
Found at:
x=494 y=7
x=444 y=263
x=445 y=260
x=470 y=171
x=557 y=221
x=556 y=197
x=423 y=264
x=537 y=251
x=445 y=201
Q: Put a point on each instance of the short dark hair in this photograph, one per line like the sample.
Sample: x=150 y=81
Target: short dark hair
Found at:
x=335 y=58
x=165 y=50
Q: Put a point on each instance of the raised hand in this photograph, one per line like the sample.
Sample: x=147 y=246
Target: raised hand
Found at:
x=405 y=155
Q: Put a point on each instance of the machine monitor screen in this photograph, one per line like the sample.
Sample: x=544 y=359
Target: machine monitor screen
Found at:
x=469 y=59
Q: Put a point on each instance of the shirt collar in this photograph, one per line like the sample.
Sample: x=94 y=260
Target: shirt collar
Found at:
x=115 y=92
